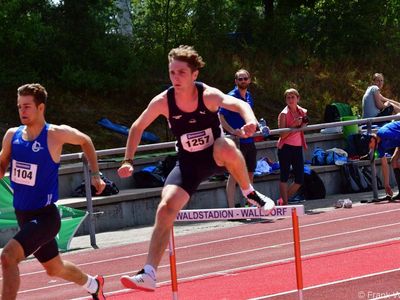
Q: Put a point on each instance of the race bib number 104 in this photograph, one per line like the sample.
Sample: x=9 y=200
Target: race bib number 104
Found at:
x=23 y=173
x=197 y=141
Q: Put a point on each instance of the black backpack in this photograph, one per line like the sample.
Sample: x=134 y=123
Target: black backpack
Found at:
x=313 y=186
x=154 y=176
x=168 y=164
x=366 y=170
x=336 y=110
x=356 y=179
x=110 y=189
x=358 y=144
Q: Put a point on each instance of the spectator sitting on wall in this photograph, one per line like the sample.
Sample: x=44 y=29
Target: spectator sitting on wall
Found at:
x=374 y=104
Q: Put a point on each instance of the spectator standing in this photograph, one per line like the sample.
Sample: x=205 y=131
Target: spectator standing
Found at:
x=290 y=145
x=374 y=104
x=232 y=122
x=34 y=150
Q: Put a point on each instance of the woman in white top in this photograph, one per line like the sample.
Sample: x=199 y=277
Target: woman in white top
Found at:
x=376 y=105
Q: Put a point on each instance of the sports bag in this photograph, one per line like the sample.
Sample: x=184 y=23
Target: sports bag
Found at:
x=110 y=189
x=313 y=186
x=318 y=157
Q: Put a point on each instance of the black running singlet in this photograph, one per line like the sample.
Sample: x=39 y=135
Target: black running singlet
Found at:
x=195 y=131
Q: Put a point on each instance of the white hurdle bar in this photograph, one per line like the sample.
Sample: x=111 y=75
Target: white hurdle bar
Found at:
x=219 y=214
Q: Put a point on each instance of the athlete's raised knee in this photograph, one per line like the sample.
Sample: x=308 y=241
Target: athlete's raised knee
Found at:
x=225 y=150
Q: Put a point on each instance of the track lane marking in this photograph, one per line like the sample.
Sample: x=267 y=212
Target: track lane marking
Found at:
x=227 y=271
x=332 y=283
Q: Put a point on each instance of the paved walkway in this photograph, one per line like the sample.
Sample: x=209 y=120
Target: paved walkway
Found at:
x=140 y=234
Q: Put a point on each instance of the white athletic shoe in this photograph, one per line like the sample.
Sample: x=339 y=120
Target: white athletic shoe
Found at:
x=261 y=201
x=140 y=281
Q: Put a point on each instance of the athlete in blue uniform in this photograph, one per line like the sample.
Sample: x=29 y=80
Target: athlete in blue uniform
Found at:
x=386 y=138
x=192 y=111
x=32 y=152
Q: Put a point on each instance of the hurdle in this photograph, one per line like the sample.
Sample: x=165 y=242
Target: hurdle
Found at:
x=223 y=214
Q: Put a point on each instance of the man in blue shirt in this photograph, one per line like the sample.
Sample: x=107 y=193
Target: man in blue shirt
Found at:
x=232 y=122
x=386 y=138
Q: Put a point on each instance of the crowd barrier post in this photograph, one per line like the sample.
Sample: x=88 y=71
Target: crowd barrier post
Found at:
x=87 y=177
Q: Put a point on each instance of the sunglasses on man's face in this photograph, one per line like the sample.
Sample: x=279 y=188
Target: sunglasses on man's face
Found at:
x=243 y=78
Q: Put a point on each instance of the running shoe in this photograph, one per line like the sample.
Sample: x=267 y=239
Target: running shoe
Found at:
x=395 y=198
x=99 y=295
x=140 y=281
x=261 y=201
x=339 y=203
x=347 y=203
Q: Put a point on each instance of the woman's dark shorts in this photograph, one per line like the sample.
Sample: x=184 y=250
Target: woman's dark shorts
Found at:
x=288 y=156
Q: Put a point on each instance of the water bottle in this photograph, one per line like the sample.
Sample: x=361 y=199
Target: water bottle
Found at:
x=262 y=124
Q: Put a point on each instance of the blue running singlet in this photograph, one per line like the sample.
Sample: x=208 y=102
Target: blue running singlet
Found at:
x=34 y=174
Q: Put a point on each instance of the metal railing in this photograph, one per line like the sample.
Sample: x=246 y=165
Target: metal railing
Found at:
x=168 y=145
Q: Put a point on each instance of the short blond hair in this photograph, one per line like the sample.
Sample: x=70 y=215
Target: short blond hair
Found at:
x=376 y=75
x=291 y=91
x=187 y=54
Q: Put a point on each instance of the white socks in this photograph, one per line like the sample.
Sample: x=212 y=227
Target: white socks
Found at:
x=148 y=269
x=248 y=191
x=91 y=285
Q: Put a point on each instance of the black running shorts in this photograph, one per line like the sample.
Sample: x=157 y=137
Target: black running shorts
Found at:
x=192 y=169
x=38 y=230
x=249 y=152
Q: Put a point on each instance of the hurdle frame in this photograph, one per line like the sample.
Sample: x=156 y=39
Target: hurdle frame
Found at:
x=223 y=214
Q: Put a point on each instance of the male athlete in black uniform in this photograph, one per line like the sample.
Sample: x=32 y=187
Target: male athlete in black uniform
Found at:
x=192 y=111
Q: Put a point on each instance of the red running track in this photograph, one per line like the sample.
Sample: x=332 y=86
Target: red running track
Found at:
x=347 y=254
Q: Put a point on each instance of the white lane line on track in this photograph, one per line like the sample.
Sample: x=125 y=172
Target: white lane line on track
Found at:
x=242 y=236
x=185 y=279
x=237 y=237
x=228 y=271
x=286 y=229
x=234 y=253
x=336 y=282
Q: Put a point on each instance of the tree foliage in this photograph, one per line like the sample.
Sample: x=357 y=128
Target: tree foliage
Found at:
x=325 y=48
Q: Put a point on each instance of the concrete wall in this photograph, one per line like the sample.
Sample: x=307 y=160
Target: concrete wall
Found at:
x=134 y=207
x=71 y=175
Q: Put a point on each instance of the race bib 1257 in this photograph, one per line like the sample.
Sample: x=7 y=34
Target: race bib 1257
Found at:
x=198 y=140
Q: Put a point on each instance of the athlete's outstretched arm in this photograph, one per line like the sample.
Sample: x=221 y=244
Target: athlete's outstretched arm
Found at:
x=158 y=106
x=65 y=134
x=214 y=99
